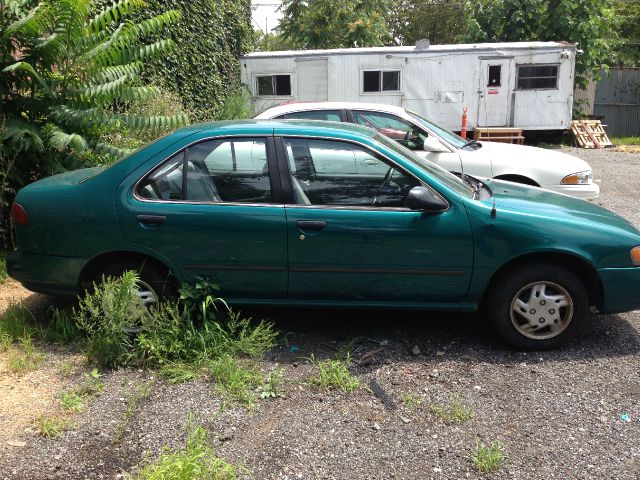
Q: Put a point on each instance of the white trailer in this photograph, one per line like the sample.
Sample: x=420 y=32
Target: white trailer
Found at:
x=521 y=84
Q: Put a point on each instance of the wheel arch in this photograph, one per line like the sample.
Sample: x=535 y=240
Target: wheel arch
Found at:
x=582 y=268
x=94 y=266
x=511 y=177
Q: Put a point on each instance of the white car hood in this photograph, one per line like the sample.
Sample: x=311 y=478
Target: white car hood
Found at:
x=547 y=167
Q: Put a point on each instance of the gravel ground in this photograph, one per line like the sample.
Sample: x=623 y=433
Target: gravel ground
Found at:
x=558 y=414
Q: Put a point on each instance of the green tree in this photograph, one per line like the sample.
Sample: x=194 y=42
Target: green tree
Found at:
x=68 y=72
x=586 y=22
x=440 y=21
x=626 y=44
x=313 y=24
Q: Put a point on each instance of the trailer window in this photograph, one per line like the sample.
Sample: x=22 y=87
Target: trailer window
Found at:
x=273 y=85
x=494 y=75
x=381 y=81
x=532 y=77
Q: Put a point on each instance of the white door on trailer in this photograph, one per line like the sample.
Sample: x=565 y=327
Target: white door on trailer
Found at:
x=494 y=92
x=313 y=85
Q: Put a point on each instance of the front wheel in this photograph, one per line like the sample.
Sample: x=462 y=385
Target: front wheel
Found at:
x=538 y=307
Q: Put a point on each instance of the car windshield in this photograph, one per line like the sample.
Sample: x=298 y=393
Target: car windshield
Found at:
x=442 y=175
x=455 y=140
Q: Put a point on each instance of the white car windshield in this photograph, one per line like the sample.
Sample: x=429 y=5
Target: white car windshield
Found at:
x=442 y=175
x=455 y=140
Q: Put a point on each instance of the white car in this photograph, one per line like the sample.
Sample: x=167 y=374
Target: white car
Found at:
x=548 y=169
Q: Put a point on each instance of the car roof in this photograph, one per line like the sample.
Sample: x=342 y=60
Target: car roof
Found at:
x=290 y=107
x=307 y=127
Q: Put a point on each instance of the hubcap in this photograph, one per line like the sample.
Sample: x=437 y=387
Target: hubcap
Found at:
x=147 y=296
x=541 y=310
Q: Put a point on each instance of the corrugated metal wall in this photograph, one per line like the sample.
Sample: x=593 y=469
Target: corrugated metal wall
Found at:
x=617 y=99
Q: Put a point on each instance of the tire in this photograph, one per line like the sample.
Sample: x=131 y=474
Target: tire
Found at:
x=154 y=284
x=537 y=307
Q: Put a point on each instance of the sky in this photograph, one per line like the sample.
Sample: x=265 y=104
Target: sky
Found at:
x=264 y=15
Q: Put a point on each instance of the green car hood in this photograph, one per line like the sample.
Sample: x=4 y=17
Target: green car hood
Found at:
x=544 y=203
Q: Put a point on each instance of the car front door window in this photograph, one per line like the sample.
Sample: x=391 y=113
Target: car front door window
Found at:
x=392 y=127
x=332 y=173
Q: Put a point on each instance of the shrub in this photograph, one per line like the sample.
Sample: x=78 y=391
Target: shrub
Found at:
x=106 y=314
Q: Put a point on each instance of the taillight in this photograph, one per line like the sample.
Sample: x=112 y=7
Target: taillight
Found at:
x=19 y=214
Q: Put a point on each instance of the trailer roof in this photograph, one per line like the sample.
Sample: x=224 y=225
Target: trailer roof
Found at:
x=412 y=49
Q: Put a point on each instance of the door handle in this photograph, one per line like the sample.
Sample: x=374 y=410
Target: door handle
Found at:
x=316 y=225
x=151 y=219
x=370 y=163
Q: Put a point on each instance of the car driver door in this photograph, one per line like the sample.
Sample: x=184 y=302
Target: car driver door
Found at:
x=351 y=238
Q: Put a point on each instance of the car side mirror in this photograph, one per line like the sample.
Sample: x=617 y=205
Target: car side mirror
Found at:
x=432 y=144
x=425 y=199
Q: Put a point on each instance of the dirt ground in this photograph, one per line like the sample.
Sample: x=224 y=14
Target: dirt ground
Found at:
x=568 y=414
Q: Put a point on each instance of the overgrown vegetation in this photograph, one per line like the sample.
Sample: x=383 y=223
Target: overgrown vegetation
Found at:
x=196 y=336
x=203 y=67
x=198 y=460
x=69 y=71
x=490 y=458
x=453 y=412
x=333 y=374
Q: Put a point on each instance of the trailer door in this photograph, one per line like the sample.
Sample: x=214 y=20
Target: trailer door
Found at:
x=313 y=85
x=495 y=92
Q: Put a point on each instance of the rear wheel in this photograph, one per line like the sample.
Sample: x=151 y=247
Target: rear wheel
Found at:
x=153 y=285
x=537 y=307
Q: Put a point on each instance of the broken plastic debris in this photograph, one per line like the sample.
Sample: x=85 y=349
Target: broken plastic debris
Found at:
x=625 y=417
x=293 y=349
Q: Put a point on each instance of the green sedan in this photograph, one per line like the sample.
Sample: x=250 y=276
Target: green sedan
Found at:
x=321 y=214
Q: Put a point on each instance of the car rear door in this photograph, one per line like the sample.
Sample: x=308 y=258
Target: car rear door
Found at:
x=350 y=238
x=213 y=210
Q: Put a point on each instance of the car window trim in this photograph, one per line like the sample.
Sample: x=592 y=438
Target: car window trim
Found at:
x=283 y=158
x=342 y=112
x=185 y=149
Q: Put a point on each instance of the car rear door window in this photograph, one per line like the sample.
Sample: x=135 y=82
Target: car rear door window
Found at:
x=327 y=172
x=326 y=115
x=224 y=170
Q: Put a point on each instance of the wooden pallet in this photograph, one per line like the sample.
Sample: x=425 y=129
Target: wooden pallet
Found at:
x=590 y=134
x=499 y=134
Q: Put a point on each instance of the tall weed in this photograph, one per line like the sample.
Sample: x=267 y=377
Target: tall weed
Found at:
x=106 y=315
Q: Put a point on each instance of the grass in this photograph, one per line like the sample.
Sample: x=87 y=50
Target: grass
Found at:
x=410 y=400
x=490 y=458
x=334 y=375
x=24 y=357
x=625 y=140
x=76 y=400
x=50 y=427
x=72 y=402
x=198 y=460
x=3 y=268
x=271 y=386
x=140 y=395
x=453 y=412
x=235 y=381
